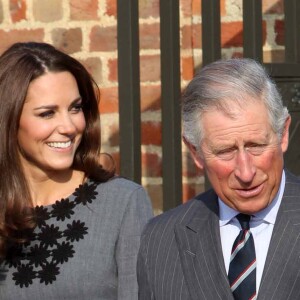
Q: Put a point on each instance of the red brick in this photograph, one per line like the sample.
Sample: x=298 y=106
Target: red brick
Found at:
x=103 y=38
x=17 y=10
x=232 y=34
x=94 y=66
x=150 y=68
x=84 y=9
x=156 y=195
x=197 y=36
x=150 y=97
x=279 y=30
x=47 y=11
x=113 y=70
x=149 y=36
x=148 y=8
x=67 y=40
x=109 y=100
x=273 y=6
x=151 y=133
x=151 y=165
x=190 y=190
x=186 y=37
x=114 y=135
x=186 y=7
x=111 y=8
x=8 y=38
x=187 y=68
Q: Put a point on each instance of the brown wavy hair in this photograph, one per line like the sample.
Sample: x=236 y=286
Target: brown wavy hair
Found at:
x=19 y=66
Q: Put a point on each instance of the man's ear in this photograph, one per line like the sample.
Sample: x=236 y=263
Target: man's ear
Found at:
x=285 y=135
x=198 y=160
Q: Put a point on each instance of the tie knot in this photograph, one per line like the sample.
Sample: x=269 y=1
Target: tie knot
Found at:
x=244 y=221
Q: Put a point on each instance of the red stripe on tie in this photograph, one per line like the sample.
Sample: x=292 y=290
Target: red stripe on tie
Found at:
x=245 y=270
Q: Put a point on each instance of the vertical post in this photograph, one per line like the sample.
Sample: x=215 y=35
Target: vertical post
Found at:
x=252 y=21
x=211 y=33
x=171 y=114
x=211 y=38
x=292 y=29
x=129 y=89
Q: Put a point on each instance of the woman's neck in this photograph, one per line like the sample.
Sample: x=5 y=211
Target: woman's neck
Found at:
x=47 y=188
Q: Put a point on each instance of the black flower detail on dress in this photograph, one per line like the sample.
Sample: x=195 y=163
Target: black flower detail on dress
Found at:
x=47 y=247
x=75 y=231
x=63 y=209
x=85 y=193
x=63 y=252
x=49 y=235
x=48 y=273
x=41 y=215
x=24 y=275
x=38 y=255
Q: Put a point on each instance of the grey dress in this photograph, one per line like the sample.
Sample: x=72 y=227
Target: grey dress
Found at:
x=84 y=247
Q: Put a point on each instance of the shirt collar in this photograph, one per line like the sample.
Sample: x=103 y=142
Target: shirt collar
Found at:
x=268 y=214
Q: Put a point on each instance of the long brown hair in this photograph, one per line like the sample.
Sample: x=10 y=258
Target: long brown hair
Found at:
x=19 y=66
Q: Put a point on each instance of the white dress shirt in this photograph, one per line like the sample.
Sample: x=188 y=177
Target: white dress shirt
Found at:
x=261 y=227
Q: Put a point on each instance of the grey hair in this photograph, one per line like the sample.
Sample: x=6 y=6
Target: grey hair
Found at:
x=216 y=85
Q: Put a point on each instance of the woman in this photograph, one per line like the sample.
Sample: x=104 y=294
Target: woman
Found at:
x=69 y=229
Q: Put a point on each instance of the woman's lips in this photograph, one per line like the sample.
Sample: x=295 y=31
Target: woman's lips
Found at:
x=250 y=192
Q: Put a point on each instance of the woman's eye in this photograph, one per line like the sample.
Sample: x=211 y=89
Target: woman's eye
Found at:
x=77 y=107
x=46 y=114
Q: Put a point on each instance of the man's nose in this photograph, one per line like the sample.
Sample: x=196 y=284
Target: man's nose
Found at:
x=245 y=169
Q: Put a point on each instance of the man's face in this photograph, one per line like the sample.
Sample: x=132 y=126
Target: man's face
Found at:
x=242 y=156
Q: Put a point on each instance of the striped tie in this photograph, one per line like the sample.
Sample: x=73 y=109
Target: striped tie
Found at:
x=242 y=268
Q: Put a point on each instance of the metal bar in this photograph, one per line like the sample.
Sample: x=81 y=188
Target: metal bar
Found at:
x=129 y=89
x=170 y=93
x=211 y=31
x=252 y=20
x=211 y=39
x=292 y=29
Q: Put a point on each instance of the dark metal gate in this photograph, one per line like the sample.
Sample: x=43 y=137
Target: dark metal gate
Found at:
x=287 y=76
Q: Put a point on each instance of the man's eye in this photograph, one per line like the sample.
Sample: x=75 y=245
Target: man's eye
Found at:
x=46 y=114
x=226 y=153
x=256 y=148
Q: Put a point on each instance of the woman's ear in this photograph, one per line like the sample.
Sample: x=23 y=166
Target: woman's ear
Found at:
x=198 y=160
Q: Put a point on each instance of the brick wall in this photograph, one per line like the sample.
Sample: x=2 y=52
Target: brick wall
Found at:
x=86 y=29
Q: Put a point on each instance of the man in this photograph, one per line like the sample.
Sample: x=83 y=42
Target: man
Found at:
x=236 y=127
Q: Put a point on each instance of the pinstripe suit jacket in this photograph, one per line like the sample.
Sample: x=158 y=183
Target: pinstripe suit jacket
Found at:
x=181 y=254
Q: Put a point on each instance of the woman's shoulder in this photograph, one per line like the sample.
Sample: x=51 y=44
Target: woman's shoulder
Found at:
x=119 y=184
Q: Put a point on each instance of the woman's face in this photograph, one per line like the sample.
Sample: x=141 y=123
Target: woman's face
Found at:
x=51 y=124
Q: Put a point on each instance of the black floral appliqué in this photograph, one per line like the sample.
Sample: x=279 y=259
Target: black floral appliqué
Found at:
x=75 y=231
x=48 y=273
x=63 y=209
x=49 y=235
x=38 y=255
x=63 y=252
x=85 y=193
x=50 y=246
x=41 y=215
x=24 y=275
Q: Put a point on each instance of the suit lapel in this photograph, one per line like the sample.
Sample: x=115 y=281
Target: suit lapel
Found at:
x=199 y=244
x=281 y=272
